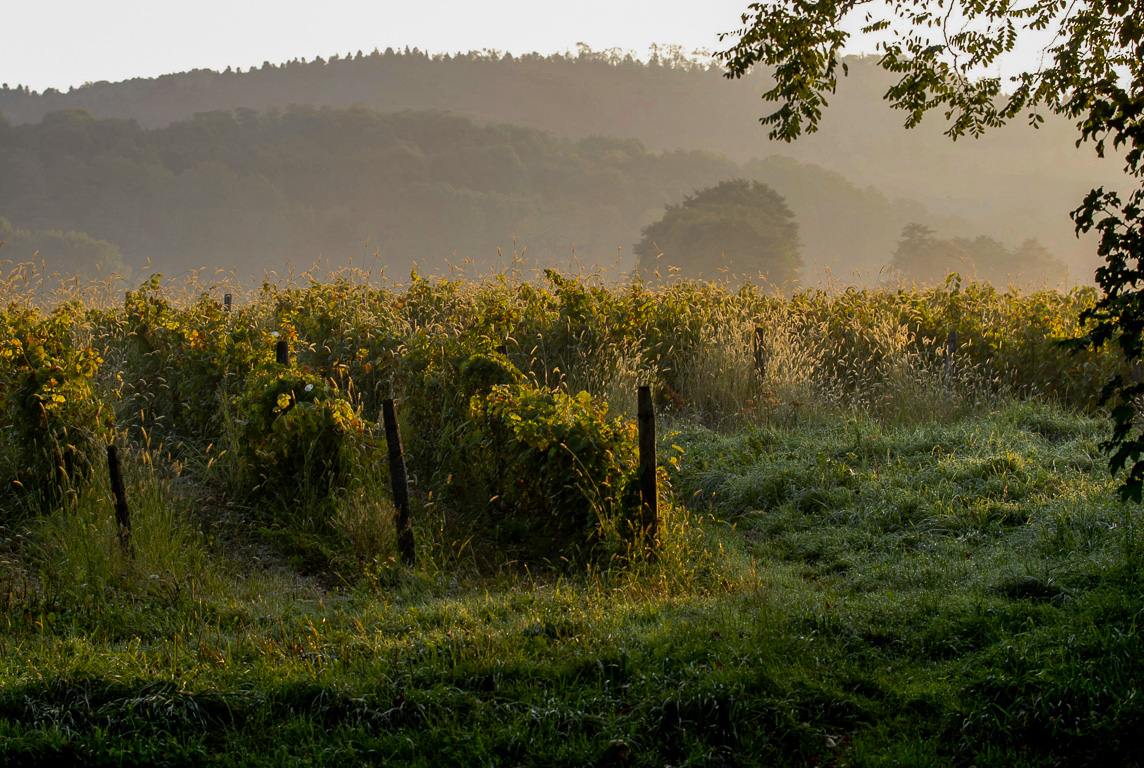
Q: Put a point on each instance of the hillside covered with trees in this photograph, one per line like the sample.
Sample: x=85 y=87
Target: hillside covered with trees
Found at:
x=1012 y=184
x=257 y=192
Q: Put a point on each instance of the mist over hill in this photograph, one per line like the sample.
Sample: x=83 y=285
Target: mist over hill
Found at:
x=259 y=192
x=65 y=253
x=1014 y=184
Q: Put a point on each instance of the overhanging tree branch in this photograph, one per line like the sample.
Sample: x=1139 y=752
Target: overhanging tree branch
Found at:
x=939 y=49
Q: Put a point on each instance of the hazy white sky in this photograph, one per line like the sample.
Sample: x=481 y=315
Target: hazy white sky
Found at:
x=58 y=43
x=61 y=43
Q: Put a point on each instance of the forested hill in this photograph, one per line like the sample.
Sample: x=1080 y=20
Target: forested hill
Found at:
x=255 y=191
x=1012 y=184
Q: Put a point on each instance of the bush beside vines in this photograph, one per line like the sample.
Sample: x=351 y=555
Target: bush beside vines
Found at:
x=300 y=434
x=564 y=470
x=52 y=421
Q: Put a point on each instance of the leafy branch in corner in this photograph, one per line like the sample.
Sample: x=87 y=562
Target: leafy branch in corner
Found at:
x=1092 y=72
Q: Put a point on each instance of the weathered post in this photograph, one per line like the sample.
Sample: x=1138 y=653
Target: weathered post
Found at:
x=399 y=481
x=760 y=354
x=119 y=491
x=226 y=302
x=649 y=495
x=282 y=352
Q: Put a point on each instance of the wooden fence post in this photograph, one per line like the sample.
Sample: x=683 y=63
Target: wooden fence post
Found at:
x=649 y=494
x=226 y=302
x=119 y=491
x=760 y=354
x=399 y=481
x=282 y=352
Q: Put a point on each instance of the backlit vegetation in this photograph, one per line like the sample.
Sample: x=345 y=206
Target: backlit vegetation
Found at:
x=871 y=550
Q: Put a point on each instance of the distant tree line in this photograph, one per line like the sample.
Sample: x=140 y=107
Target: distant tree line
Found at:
x=255 y=191
x=925 y=258
x=65 y=253
x=1012 y=184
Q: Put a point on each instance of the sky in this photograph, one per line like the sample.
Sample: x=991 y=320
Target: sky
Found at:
x=63 y=43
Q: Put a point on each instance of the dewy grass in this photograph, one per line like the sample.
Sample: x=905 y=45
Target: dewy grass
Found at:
x=79 y=554
x=853 y=594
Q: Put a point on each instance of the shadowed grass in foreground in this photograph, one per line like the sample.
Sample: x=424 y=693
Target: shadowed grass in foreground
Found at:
x=852 y=594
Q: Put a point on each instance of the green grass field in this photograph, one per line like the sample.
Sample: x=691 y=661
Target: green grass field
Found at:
x=938 y=573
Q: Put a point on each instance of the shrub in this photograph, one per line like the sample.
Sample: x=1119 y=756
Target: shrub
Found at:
x=299 y=434
x=346 y=332
x=545 y=467
x=562 y=468
x=441 y=440
x=51 y=420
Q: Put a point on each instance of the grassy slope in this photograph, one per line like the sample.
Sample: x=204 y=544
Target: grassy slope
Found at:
x=962 y=593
